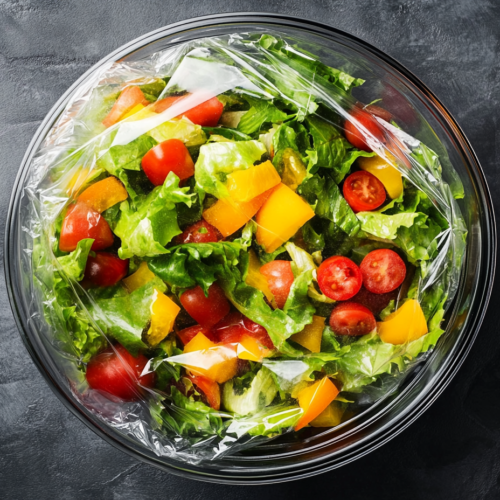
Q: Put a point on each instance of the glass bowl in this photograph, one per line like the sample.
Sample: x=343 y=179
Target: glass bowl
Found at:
x=422 y=115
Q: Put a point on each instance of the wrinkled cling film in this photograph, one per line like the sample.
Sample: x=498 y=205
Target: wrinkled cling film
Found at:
x=68 y=159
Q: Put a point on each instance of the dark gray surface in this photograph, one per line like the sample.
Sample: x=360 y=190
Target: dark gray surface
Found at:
x=451 y=452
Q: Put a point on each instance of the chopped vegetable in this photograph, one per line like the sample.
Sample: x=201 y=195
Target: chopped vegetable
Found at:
x=403 y=325
x=163 y=313
x=104 y=194
x=310 y=337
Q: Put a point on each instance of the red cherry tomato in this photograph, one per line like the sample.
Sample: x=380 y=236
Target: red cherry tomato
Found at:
x=188 y=334
x=199 y=232
x=119 y=375
x=363 y=191
x=206 y=114
x=379 y=112
x=280 y=278
x=129 y=98
x=82 y=222
x=383 y=271
x=105 y=269
x=206 y=310
x=209 y=388
x=168 y=156
x=352 y=319
x=357 y=136
x=376 y=302
x=339 y=278
x=232 y=328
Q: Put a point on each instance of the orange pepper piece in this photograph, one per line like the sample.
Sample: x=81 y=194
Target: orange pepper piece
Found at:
x=128 y=99
x=163 y=313
x=249 y=348
x=104 y=194
x=314 y=399
x=310 y=337
x=244 y=185
x=198 y=343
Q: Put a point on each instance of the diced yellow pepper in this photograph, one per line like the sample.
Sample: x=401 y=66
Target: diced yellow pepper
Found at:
x=245 y=185
x=142 y=276
x=198 y=343
x=386 y=173
x=250 y=349
x=281 y=216
x=404 y=325
x=331 y=416
x=163 y=313
x=314 y=399
x=254 y=278
x=228 y=216
x=77 y=180
x=133 y=111
x=294 y=170
x=104 y=194
x=310 y=336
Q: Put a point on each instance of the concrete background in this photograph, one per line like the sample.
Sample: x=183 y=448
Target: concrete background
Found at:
x=451 y=452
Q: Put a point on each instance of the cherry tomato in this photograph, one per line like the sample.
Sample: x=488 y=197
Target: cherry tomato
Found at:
x=352 y=319
x=105 y=269
x=280 y=278
x=339 y=278
x=376 y=302
x=232 y=328
x=199 y=232
x=379 y=112
x=383 y=271
x=168 y=156
x=206 y=310
x=206 y=114
x=129 y=98
x=357 y=136
x=363 y=191
x=188 y=334
x=119 y=375
x=82 y=222
x=209 y=388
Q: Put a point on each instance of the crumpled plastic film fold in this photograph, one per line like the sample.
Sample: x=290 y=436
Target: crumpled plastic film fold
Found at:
x=72 y=155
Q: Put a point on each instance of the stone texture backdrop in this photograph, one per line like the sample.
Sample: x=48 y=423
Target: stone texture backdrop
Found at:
x=451 y=452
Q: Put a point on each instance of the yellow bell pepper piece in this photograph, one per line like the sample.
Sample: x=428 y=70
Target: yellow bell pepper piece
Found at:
x=386 y=173
x=281 y=216
x=294 y=170
x=163 y=313
x=249 y=348
x=314 y=399
x=310 y=337
x=142 y=276
x=404 y=325
x=254 y=278
x=331 y=416
x=228 y=216
x=77 y=180
x=198 y=343
x=245 y=185
x=104 y=194
x=133 y=111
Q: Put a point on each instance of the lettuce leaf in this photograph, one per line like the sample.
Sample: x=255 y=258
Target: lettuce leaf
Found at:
x=74 y=263
x=183 y=129
x=385 y=226
x=146 y=228
x=260 y=112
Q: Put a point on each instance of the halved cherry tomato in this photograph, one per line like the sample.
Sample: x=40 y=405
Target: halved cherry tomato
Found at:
x=379 y=112
x=209 y=388
x=168 y=156
x=188 y=334
x=105 y=269
x=352 y=319
x=199 y=232
x=339 y=278
x=82 y=222
x=129 y=98
x=232 y=328
x=363 y=191
x=206 y=310
x=119 y=375
x=383 y=271
x=376 y=302
x=206 y=114
x=356 y=136
x=280 y=278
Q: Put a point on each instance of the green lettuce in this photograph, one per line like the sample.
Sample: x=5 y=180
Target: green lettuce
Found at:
x=183 y=129
x=74 y=263
x=385 y=226
x=146 y=228
x=260 y=112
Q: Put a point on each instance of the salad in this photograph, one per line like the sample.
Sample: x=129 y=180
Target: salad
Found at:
x=236 y=244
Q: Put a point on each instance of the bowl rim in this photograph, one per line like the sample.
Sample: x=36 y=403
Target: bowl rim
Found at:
x=398 y=423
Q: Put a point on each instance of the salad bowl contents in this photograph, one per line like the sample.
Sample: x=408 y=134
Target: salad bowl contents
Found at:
x=231 y=248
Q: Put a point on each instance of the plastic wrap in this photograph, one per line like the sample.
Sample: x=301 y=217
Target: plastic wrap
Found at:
x=368 y=370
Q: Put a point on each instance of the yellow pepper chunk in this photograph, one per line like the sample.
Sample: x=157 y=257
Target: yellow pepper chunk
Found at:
x=310 y=336
x=314 y=399
x=294 y=170
x=163 y=314
x=254 y=278
x=198 y=343
x=228 y=216
x=77 y=180
x=133 y=111
x=331 y=416
x=244 y=185
x=104 y=194
x=404 y=325
x=281 y=216
x=249 y=348
x=142 y=276
x=386 y=173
